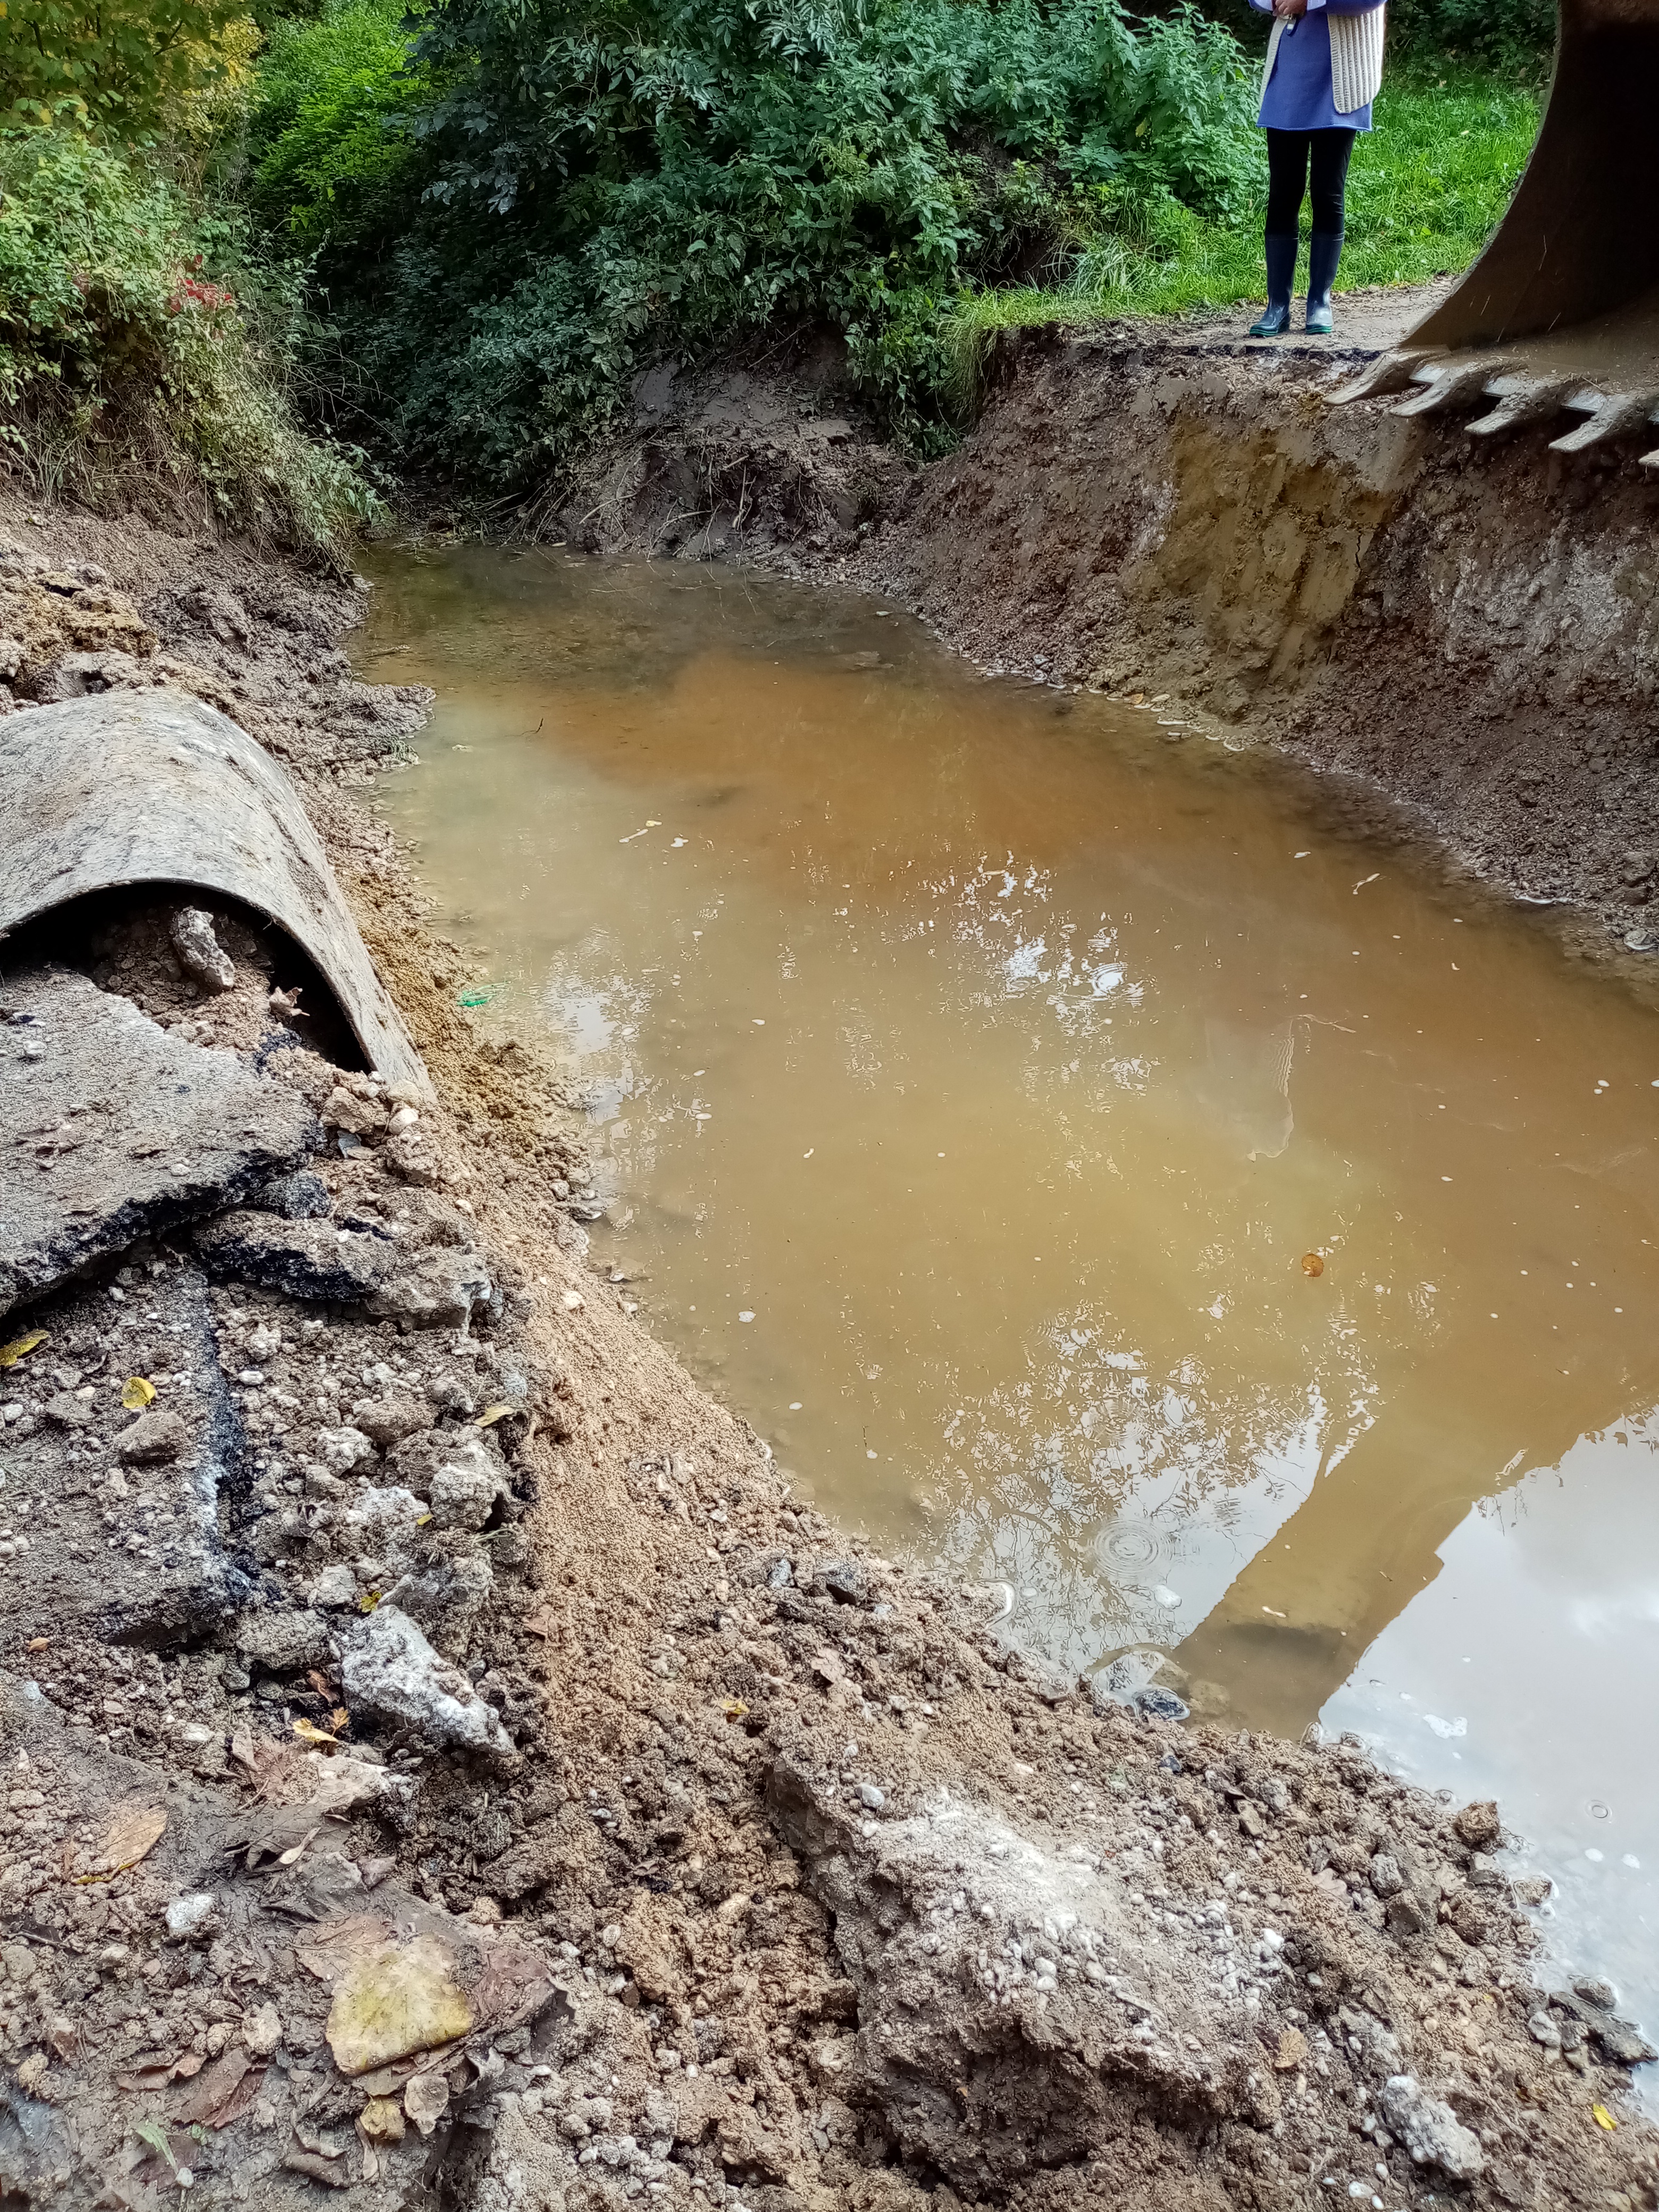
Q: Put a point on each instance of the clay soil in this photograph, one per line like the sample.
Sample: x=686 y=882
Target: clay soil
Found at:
x=770 y=1876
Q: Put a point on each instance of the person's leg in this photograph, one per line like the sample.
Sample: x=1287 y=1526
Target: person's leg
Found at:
x=1287 y=177
x=1331 y=150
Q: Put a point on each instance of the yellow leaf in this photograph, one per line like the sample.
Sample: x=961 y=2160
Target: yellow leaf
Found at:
x=308 y=1732
x=734 y=1709
x=138 y=1393
x=12 y=1353
x=370 y=1599
x=491 y=1414
x=1603 y=2117
x=396 y=2000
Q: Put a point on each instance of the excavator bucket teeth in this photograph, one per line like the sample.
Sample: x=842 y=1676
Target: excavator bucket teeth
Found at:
x=1570 y=281
x=1523 y=399
x=1444 y=387
x=1613 y=416
x=1390 y=372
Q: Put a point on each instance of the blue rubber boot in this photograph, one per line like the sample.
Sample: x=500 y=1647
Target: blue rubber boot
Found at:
x=1281 y=276
x=1324 y=252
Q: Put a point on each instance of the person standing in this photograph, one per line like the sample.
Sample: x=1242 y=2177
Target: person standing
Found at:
x=1324 y=65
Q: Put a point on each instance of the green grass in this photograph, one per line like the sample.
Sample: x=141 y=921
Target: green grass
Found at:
x=1426 y=187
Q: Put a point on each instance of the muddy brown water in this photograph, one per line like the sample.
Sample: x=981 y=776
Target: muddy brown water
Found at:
x=976 y=1071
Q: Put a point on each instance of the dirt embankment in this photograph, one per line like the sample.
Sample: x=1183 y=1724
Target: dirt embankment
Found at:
x=1472 y=626
x=447 y=1767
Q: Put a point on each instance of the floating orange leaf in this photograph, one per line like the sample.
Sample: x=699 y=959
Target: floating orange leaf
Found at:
x=1312 y=1264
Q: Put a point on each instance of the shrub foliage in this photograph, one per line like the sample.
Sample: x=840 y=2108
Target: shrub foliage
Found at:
x=517 y=203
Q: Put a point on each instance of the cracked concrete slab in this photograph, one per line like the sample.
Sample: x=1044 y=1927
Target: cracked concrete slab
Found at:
x=90 y=1539
x=114 y=1128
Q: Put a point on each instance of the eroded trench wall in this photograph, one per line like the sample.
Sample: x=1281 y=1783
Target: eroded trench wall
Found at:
x=1470 y=626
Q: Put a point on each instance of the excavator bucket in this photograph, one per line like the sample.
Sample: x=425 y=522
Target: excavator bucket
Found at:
x=1561 y=311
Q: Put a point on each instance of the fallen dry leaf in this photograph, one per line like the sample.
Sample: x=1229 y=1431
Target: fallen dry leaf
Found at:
x=134 y=1829
x=209 y=2100
x=1292 y=2050
x=398 y=2000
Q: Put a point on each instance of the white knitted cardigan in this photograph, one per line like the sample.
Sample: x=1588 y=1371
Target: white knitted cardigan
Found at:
x=1356 y=57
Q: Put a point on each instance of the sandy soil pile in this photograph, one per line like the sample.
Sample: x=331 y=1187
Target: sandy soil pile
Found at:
x=446 y=1767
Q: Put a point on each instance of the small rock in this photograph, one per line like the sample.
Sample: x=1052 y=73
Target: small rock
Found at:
x=871 y=1796
x=358 y=1117
x=1430 y=2129
x=457 y=1470
x=1468 y=1917
x=193 y=1916
x=262 y=2031
x=437 y=1290
x=1291 y=2052
x=199 y=950
x=341 y=1449
x=389 y=1667
x=1159 y=1703
x=335 y=1586
x=1596 y=1991
x=282 y=1639
x=1386 y=1879
x=66 y=1411
x=1408 y=1916
x=845 y=1580
x=302 y=1196
x=1479 y=1826
x=1542 y=2029
x=153 y=1438
x=388 y=1420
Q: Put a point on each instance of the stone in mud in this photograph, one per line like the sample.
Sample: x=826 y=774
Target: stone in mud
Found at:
x=119 y=1129
x=389 y=1668
x=126 y=1549
x=457 y=1469
x=1386 y=1879
x=282 y=1638
x=388 y=1420
x=845 y=1580
x=199 y=950
x=302 y=1196
x=1430 y=2131
x=445 y=1596
x=437 y=1289
x=1478 y=1825
x=1408 y=1916
x=305 y=1259
x=153 y=1439
x=1158 y=1704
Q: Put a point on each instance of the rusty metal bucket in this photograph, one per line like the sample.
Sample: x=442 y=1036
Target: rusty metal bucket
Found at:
x=1561 y=311
x=135 y=788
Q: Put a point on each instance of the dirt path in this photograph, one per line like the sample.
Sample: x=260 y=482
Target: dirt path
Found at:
x=516 y=1800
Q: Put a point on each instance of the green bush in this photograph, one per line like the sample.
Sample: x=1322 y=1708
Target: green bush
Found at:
x=327 y=146
x=572 y=193
x=132 y=367
x=123 y=66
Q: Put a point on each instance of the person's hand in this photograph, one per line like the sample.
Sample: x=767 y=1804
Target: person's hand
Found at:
x=1290 y=8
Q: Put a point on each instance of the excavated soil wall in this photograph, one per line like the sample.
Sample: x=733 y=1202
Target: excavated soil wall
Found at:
x=1470 y=626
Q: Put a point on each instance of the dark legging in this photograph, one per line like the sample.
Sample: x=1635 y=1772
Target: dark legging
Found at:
x=1288 y=153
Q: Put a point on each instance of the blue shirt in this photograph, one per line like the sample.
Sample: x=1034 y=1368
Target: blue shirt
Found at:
x=1298 y=93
